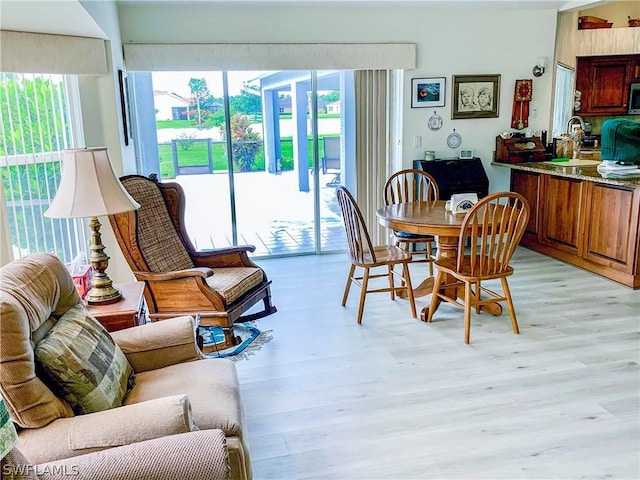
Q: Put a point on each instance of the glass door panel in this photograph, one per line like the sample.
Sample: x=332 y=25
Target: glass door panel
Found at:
x=246 y=146
x=190 y=121
x=274 y=195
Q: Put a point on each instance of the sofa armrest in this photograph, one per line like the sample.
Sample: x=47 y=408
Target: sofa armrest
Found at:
x=159 y=344
x=70 y=437
x=165 y=457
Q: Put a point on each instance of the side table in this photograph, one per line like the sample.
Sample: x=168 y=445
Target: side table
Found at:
x=131 y=311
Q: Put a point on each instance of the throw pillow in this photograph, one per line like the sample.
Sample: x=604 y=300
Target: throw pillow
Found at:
x=83 y=364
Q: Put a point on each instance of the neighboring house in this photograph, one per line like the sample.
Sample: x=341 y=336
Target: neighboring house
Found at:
x=169 y=105
x=284 y=104
x=333 y=107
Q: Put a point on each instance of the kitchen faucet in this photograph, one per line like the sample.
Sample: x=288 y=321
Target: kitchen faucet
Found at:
x=576 y=135
x=572 y=120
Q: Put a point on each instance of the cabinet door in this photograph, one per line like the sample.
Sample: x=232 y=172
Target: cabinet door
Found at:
x=563 y=198
x=528 y=184
x=635 y=69
x=612 y=227
x=604 y=83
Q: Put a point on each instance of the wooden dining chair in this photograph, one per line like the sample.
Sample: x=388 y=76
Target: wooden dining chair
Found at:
x=365 y=256
x=494 y=227
x=412 y=185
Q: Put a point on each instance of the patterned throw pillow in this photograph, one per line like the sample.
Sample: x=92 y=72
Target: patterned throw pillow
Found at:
x=83 y=363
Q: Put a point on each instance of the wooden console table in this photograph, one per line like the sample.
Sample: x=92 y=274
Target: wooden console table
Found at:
x=131 y=311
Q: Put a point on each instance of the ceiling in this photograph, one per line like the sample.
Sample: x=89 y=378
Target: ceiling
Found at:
x=69 y=17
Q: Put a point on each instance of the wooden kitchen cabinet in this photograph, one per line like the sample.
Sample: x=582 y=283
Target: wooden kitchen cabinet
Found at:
x=604 y=83
x=612 y=226
x=528 y=184
x=635 y=69
x=563 y=200
x=592 y=225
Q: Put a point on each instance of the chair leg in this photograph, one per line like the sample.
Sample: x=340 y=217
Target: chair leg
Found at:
x=512 y=311
x=363 y=293
x=434 y=296
x=467 y=311
x=392 y=292
x=407 y=282
x=348 y=285
x=429 y=248
x=476 y=295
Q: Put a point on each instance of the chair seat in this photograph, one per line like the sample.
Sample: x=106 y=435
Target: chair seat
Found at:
x=214 y=397
x=386 y=254
x=448 y=265
x=412 y=236
x=233 y=282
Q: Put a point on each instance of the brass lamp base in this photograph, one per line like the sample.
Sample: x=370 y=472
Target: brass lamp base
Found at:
x=103 y=295
x=103 y=292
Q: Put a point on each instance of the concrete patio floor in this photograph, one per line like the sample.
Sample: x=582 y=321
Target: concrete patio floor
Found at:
x=272 y=213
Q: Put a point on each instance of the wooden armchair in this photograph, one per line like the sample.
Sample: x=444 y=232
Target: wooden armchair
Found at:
x=220 y=284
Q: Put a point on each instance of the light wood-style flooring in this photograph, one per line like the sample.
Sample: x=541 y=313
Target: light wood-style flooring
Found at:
x=396 y=398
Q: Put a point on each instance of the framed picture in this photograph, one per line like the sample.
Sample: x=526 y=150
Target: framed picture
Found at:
x=475 y=96
x=123 y=83
x=428 y=92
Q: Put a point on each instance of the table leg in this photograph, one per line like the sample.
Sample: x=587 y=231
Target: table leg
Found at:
x=447 y=248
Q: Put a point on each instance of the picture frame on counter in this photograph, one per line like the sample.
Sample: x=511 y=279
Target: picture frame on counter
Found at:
x=475 y=96
x=428 y=92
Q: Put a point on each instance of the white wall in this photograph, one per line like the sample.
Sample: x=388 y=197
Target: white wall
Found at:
x=450 y=41
x=102 y=121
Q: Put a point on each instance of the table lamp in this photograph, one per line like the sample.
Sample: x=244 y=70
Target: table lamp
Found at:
x=89 y=188
x=8 y=435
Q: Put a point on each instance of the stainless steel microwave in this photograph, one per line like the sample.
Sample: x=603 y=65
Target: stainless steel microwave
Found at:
x=634 y=99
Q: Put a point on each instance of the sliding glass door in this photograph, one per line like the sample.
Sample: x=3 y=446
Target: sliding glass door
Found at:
x=259 y=155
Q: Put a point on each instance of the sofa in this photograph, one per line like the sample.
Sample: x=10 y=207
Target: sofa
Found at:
x=171 y=388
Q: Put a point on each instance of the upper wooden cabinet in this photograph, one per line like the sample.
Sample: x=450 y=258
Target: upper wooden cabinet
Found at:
x=604 y=83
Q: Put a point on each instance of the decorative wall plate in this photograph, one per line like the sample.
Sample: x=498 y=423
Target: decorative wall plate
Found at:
x=454 y=139
x=434 y=122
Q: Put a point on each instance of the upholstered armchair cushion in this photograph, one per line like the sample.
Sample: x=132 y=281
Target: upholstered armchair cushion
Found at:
x=163 y=249
x=159 y=344
x=158 y=459
x=83 y=363
x=233 y=282
x=215 y=398
x=69 y=437
x=33 y=290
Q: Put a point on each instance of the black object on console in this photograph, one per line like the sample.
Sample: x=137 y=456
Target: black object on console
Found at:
x=456 y=176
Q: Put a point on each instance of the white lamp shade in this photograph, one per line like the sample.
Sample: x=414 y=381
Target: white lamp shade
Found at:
x=89 y=186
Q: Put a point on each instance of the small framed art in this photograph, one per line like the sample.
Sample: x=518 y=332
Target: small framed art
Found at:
x=428 y=92
x=475 y=96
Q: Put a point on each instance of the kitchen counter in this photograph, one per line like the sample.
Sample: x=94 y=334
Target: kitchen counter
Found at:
x=581 y=218
x=586 y=172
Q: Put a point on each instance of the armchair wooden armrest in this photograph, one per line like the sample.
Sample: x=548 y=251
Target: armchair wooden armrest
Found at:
x=157 y=458
x=224 y=257
x=203 y=271
x=159 y=344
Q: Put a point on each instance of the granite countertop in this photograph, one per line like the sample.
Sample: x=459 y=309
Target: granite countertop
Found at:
x=587 y=172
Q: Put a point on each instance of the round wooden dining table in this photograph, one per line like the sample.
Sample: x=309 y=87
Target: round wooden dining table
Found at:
x=429 y=218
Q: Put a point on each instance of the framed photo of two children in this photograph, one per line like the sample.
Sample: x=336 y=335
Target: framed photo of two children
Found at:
x=475 y=96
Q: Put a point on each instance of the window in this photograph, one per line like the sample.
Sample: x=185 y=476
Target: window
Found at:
x=563 y=99
x=35 y=126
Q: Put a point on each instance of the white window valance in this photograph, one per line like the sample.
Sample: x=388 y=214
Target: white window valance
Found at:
x=268 y=56
x=24 y=52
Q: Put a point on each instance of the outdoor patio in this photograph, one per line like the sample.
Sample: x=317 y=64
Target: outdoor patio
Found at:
x=272 y=213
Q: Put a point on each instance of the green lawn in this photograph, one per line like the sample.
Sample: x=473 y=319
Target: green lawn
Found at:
x=197 y=155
